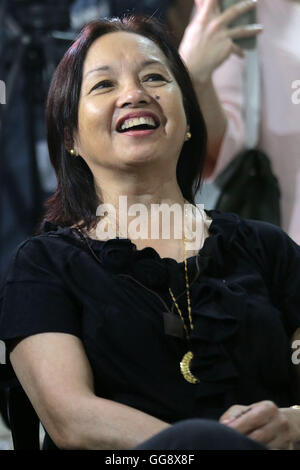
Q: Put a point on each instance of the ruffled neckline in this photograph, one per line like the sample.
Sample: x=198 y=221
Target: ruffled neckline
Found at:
x=121 y=256
x=221 y=234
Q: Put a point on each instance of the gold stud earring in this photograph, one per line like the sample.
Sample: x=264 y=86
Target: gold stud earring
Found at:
x=73 y=153
x=188 y=135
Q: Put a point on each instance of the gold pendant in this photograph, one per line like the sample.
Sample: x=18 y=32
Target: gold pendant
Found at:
x=185 y=368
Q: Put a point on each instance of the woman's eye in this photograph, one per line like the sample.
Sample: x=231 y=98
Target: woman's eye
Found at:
x=155 y=77
x=102 y=84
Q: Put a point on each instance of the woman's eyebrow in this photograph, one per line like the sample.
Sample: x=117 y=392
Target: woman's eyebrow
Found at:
x=102 y=68
x=146 y=63
x=105 y=68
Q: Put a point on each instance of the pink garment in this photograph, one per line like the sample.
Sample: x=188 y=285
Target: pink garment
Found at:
x=279 y=56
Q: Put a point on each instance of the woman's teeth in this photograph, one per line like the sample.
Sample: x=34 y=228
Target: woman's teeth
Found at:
x=142 y=121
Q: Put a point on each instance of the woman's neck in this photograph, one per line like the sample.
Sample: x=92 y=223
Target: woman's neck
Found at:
x=122 y=194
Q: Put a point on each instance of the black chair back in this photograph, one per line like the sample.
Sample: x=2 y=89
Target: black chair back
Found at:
x=18 y=412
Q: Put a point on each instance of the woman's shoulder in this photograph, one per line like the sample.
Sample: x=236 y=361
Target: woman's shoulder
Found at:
x=50 y=250
x=262 y=243
x=259 y=231
x=51 y=235
x=268 y=235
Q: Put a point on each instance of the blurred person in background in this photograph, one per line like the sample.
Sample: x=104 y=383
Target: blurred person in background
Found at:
x=217 y=67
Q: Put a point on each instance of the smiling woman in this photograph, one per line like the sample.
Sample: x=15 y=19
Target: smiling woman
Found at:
x=114 y=69
x=142 y=342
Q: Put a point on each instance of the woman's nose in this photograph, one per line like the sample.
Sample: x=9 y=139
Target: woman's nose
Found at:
x=133 y=96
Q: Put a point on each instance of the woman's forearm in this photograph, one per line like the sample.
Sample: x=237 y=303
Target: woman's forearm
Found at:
x=215 y=120
x=60 y=387
x=98 y=424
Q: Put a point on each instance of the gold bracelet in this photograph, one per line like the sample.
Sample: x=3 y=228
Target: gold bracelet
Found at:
x=295 y=407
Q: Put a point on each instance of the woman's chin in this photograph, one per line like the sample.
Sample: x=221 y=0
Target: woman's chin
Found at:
x=139 y=159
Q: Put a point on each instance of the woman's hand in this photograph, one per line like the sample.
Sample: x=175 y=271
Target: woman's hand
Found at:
x=276 y=428
x=207 y=41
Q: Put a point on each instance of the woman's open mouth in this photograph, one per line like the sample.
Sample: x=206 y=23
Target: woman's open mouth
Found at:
x=138 y=124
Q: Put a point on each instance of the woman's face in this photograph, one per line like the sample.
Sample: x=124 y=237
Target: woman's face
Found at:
x=130 y=109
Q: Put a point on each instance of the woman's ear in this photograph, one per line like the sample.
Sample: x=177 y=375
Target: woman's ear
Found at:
x=188 y=134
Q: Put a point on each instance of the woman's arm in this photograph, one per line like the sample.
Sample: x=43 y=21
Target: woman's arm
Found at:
x=56 y=375
x=228 y=83
x=207 y=44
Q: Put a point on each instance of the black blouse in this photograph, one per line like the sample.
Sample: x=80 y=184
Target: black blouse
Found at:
x=245 y=298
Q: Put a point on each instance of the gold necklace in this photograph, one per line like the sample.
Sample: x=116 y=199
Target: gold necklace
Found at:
x=187 y=358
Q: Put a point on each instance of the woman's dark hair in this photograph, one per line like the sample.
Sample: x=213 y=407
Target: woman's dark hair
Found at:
x=75 y=198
